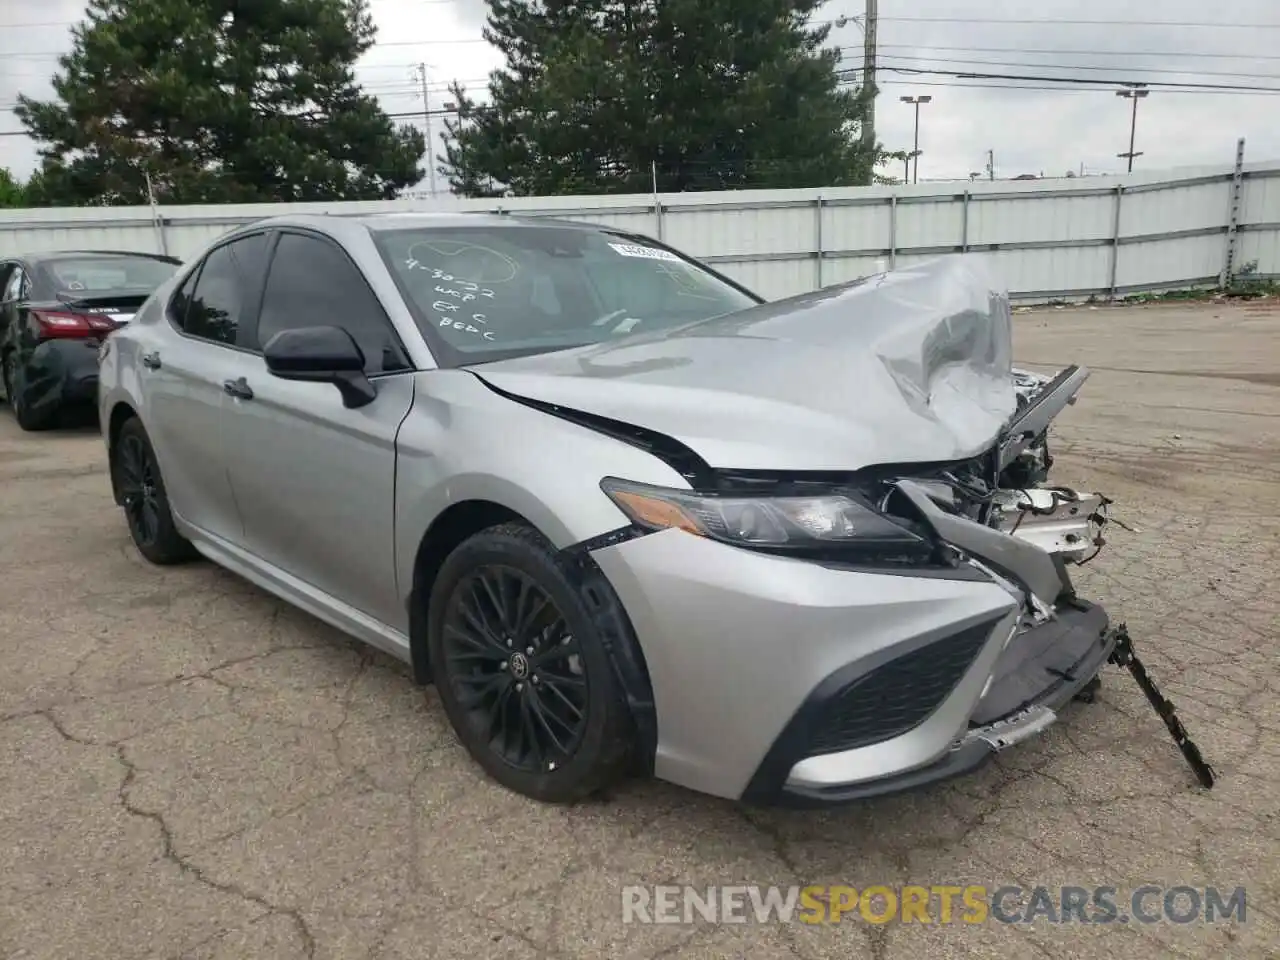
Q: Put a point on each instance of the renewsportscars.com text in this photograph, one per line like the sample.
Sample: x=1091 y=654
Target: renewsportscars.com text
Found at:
x=971 y=904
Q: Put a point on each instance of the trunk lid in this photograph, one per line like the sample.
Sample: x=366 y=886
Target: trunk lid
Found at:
x=120 y=305
x=910 y=366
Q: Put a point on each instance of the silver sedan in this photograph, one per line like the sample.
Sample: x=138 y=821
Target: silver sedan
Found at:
x=626 y=516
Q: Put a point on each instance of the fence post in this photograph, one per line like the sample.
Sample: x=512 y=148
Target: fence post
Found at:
x=893 y=231
x=657 y=212
x=817 y=235
x=1233 y=219
x=964 y=225
x=1115 y=241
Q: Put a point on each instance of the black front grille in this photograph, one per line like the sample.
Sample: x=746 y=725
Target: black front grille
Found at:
x=896 y=696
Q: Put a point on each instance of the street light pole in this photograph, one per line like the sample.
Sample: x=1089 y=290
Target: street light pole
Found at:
x=1136 y=93
x=915 y=149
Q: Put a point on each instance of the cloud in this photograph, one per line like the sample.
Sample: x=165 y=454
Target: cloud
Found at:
x=1029 y=130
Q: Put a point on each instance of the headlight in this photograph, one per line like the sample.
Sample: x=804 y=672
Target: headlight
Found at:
x=809 y=522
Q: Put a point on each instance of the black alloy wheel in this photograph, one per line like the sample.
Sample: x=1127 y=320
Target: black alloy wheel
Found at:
x=516 y=669
x=518 y=644
x=140 y=490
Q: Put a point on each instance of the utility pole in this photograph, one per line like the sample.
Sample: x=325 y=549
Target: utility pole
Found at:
x=1135 y=93
x=915 y=149
x=426 y=112
x=869 y=74
x=991 y=165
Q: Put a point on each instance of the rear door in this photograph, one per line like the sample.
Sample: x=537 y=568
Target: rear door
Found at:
x=182 y=371
x=315 y=481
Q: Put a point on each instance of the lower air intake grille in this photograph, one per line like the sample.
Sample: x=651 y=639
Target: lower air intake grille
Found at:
x=896 y=696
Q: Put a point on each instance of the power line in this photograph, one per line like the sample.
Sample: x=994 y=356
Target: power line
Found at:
x=1071 y=22
x=1090 y=67
x=965 y=75
x=1095 y=53
x=1062 y=88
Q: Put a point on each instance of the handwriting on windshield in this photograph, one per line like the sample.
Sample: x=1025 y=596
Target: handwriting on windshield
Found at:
x=464 y=324
x=470 y=292
x=462 y=289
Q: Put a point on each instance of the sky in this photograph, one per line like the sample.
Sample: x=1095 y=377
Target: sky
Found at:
x=1040 y=128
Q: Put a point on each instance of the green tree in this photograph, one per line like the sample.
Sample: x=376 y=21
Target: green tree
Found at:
x=218 y=101
x=598 y=96
x=12 y=192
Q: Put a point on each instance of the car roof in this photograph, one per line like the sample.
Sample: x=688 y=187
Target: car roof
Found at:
x=47 y=256
x=380 y=222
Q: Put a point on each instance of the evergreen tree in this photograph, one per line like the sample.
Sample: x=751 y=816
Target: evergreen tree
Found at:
x=12 y=191
x=601 y=96
x=217 y=101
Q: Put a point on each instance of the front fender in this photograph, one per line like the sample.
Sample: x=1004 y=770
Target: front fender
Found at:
x=463 y=442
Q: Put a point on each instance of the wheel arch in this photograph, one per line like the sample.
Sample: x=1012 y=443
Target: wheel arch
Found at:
x=464 y=519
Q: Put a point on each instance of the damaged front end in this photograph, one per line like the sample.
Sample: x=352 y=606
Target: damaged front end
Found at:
x=999 y=514
x=878 y=428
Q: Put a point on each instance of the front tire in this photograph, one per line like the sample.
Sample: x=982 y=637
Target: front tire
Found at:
x=522 y=671
x=136 y=475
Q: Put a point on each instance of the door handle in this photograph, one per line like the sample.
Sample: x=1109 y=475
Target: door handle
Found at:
x=151 y=361
x=238 y=388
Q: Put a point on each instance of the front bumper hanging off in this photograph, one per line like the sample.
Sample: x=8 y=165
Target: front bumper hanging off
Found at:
x=1123 y=656
x=1001 y=719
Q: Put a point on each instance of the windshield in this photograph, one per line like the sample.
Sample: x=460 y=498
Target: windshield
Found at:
x=480 y=293
x=108 y=274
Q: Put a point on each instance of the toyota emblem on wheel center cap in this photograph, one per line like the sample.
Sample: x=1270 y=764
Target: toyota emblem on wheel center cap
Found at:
x=519 y=666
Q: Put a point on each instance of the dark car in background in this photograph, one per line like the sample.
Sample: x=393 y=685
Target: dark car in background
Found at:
x=55 y=309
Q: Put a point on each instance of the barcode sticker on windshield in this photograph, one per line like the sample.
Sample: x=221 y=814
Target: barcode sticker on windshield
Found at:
x=646 y=253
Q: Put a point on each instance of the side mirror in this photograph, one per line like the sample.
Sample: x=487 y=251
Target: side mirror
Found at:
x=321 y=355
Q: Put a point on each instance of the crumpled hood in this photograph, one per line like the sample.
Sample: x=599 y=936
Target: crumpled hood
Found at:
x=909 y=366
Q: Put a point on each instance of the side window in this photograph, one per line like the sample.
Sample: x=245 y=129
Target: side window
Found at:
x=313 y=284
x=210 y=301
x=214 y=311
x=181 y=301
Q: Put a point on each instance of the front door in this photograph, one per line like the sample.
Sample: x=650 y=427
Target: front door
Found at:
x=314 y=480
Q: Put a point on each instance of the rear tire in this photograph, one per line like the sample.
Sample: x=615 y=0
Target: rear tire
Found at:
x=135 y=473
x=522 y=671
x=34 y=422
x=27 y=419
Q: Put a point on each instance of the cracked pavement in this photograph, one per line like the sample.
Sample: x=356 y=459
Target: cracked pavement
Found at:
x=193 y=769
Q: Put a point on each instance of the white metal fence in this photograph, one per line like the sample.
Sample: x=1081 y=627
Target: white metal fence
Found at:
x=1067 y=239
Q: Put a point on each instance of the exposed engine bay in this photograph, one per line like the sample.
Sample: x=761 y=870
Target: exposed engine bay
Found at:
x=1008 y=488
